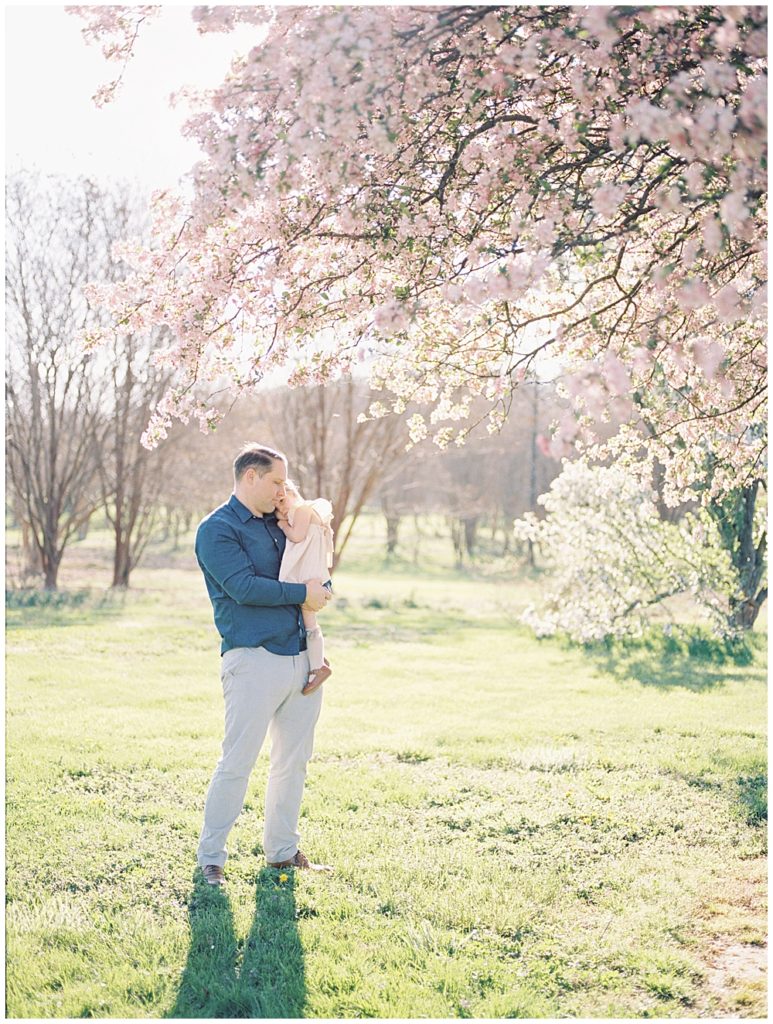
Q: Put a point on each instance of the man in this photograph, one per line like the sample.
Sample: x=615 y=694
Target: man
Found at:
x=264 y=662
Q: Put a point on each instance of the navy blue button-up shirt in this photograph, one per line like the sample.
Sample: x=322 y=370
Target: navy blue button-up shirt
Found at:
x=240 y=555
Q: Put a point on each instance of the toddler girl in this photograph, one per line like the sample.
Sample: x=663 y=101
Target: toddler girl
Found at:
x=308 y=555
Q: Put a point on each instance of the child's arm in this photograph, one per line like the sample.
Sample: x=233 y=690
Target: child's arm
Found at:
x=301 y=519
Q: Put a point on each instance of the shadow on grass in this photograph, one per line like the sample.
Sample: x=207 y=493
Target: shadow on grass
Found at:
x=226 y=977
x=748 y=791
x=691 y=658
x=753 y=795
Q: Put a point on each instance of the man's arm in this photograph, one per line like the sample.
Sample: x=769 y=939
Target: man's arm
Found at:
x=221 y=555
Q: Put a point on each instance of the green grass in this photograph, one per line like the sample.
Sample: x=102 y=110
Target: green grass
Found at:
x=520 y=828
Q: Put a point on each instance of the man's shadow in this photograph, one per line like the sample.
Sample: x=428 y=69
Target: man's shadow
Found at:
x=260 y=977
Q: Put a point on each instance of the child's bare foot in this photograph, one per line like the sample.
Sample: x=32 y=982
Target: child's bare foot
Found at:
x=316 y=678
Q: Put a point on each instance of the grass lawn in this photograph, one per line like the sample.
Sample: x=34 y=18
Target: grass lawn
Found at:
x=520 y=828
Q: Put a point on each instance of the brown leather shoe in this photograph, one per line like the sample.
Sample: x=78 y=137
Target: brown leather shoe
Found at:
x=317 y=678
x=300 y=860
x=214 y=874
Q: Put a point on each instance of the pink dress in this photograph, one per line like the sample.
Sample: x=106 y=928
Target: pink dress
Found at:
x=312 y=558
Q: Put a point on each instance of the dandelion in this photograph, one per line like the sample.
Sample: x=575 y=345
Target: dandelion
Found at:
x=283 y=877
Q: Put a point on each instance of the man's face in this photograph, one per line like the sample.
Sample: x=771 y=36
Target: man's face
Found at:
x=265 y=491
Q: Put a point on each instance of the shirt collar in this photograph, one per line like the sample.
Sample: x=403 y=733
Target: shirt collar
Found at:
x=243 y=513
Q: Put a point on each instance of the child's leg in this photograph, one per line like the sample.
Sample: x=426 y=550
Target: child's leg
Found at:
x=315 y=642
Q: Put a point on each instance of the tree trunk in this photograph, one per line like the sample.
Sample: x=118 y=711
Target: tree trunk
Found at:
x=50 y=572
x=734 y=516
x=122 y=566
x=745 y=613
x=470 y=534
x=457 y=539
x=31 y=562
x=392 y=525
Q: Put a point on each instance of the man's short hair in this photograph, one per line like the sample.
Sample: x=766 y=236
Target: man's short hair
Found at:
x=258 y=455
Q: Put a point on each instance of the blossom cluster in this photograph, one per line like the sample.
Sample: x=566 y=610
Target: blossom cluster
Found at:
x=614 y=559
x=458 y=190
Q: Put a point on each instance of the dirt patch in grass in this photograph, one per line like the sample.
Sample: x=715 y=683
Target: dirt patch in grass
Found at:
x=736 y=953
x=733 y=967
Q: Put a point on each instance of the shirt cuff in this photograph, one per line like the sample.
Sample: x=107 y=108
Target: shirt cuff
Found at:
x=296 y=593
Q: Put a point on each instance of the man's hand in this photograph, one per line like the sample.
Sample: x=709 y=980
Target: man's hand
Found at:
x=316 y=596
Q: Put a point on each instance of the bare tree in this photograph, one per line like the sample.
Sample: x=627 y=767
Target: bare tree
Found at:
x=55 y=423
x=131 y=477
x=331 y=453
x=198 y=474
x=75 y=417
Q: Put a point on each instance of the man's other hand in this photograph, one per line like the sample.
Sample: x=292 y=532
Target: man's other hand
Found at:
x=316 y=596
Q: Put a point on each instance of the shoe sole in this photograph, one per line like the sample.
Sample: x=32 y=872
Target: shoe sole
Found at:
x=326 y=673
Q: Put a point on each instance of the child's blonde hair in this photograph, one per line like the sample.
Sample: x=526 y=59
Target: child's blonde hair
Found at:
x=290 y=486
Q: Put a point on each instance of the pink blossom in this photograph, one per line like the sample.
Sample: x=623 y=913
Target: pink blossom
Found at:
x=545 y=232
x=693 y=177
x=646 y=121
x=708 y=355
x=669 y=200
x=734 y=210
x=617 y=133
x=567 y=425
x=712 y=235
x=726 y=302
x=759 y=302
x=607 y=199
x=391 y=317
x=621 y=407
x=690 y=252
x=543 y=444
x=720 y=77
x=615 y=374
x=754 y=109
x=599 y=24
x=693 y=294
x=475 y=290
x=642 y=359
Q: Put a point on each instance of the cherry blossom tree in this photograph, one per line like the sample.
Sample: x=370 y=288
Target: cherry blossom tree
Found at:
x=447 y=194
x=613 y=559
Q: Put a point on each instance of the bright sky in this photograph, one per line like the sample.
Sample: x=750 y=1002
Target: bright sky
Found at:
x=51 y=75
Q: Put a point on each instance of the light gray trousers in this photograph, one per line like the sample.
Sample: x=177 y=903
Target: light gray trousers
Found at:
x=262 y=693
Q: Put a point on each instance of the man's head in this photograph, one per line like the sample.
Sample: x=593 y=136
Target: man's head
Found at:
x=259 y=477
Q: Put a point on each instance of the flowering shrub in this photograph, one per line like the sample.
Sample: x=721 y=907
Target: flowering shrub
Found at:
x=612 y=559
x=449 y=191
